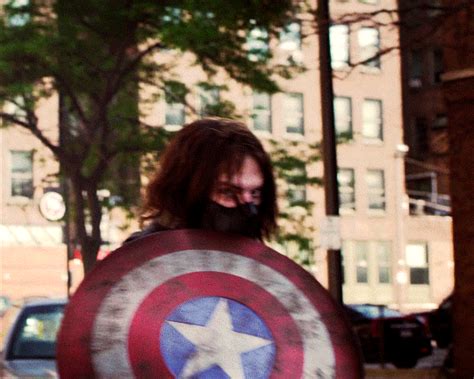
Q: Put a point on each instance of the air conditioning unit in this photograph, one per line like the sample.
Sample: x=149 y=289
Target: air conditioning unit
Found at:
x=415 y=83
x=440 y=121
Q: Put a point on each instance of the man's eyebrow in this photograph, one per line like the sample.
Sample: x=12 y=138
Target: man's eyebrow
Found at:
x=227 y=184
x=233 y=186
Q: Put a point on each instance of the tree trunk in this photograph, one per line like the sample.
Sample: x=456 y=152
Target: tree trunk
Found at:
x=460 y=101
x=459 y=94
x=86 y=214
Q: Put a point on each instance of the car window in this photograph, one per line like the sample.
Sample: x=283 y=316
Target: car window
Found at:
x=35 y=333
x=374 y=311
x=4 y=304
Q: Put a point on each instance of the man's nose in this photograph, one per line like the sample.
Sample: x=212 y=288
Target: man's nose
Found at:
x=245 y=197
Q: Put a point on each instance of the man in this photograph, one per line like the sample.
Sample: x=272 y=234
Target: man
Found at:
x=214 y=174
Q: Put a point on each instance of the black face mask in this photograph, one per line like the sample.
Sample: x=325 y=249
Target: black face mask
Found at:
x=243 y=219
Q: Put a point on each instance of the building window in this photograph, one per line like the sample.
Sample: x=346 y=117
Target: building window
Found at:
x=16 y=108
x=262 y=111
x=21 y=174
x=208 y=100
x=175 y=93
x=361 y=261
x=344 y=253
x=369 y=43
x=20 y=14
x=416 y=69
x=343 y=116
x=440 y=121
x=290 y=43
x=257 y=45
x=420 y=145
x=346 y=186
x=372 y=125
x=339 y=41
x=293 y=113
x=417 y=261
x=376 y=189
x=296 y=178
x=437 y=65
x=384 y=261
x=435 y=8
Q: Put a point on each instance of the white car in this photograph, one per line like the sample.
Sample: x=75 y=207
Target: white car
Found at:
x=29 y=350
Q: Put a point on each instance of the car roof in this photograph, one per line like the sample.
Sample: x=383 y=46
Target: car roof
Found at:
x=372 y=310
x=44 y=301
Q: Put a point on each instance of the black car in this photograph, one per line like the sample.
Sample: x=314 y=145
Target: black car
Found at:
x=385 y=335
x=440 y=321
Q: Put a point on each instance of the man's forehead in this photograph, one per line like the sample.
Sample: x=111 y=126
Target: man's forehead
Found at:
x=240 y=181
x=248 y=174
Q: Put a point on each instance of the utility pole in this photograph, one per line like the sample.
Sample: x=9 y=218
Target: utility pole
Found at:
x=66 y=195
x=329 y=144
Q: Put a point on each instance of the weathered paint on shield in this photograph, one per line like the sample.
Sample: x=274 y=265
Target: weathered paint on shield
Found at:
x=167 y=305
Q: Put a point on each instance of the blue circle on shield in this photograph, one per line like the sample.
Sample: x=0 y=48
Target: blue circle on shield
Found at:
x=216 y=337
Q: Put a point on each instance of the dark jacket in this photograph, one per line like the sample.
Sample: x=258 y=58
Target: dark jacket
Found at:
x=150 y=229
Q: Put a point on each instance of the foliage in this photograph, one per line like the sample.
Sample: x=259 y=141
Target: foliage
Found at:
x=294 y=168
x=105 y=57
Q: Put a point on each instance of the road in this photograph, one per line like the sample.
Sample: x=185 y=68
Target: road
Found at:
x=434 y=360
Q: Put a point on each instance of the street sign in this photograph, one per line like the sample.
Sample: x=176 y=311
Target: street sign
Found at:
x=190 y=303
x=330 y=233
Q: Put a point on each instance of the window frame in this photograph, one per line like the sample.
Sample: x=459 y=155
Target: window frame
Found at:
x=21 y=176
x=337 y=46
x=291 y=55
x=379 y=123
x=377 y=192
x=296 y=192
x=338 y=121
x=262 y=112
x=174 y=96
x=366 y=50
x=214 y=93
x=413 y=268
x=438 y=65
x=361 y=269
x=383 y=265
x=349 y=190
x=258 y=46
x=291 y=114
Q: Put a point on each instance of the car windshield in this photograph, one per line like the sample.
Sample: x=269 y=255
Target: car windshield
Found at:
x=35 y=333
x=375 y=311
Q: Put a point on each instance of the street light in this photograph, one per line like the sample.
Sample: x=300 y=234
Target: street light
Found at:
x=401 y=210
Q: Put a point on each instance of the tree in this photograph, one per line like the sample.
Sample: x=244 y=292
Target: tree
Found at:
x=293 y=168
x=104 y=58
x=458 y=90
x=451 y=23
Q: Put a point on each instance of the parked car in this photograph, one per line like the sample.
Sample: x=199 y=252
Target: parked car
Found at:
x=30 y=346
x=440 y=321
x=385 y=335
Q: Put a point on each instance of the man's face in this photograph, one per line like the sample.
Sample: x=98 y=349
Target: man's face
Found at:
x=245 y=186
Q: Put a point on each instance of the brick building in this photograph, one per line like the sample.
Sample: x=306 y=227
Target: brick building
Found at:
x=389 y=256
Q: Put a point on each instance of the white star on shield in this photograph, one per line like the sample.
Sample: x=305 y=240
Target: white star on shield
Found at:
x=217 y=344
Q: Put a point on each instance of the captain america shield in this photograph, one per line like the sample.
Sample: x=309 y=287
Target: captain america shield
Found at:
x=199 y=304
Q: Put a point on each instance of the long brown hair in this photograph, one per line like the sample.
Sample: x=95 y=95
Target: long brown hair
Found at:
x=190 y=164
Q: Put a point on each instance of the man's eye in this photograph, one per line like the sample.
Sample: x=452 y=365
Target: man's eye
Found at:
x=227 y=193
x=256 y=193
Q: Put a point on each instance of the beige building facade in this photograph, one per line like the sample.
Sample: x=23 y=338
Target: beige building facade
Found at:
x=389 y=256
